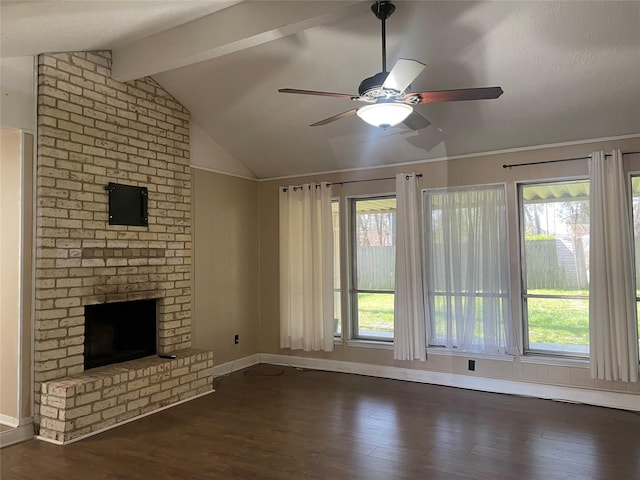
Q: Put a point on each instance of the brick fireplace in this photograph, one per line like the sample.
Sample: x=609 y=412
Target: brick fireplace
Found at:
x=93 y=130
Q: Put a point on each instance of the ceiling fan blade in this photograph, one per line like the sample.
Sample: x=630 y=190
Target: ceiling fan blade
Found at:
x=322 y=94
x=415 y=121
x=484 y=93
x=348 y=113
x=402 y=74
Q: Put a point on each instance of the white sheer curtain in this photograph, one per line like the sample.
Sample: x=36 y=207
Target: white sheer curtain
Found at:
x=613 y=342
x=410 y=339
x=468 y=269
x=306 y=267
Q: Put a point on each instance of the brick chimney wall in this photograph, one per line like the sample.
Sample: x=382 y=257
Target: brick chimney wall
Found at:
x=93 y=130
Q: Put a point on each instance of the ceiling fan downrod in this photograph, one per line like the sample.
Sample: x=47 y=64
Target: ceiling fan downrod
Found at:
x=383 y=10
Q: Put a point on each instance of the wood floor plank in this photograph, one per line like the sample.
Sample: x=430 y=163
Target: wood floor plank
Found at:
x=313 y=425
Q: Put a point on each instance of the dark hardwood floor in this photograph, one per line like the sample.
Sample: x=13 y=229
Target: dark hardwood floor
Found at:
x=320 y=425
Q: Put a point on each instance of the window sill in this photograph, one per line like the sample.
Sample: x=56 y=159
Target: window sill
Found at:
x=454 y=353
x=370 y=344
x=554 y=360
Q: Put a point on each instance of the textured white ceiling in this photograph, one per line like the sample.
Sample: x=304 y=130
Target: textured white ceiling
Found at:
x=570 y=71
x=32 y=27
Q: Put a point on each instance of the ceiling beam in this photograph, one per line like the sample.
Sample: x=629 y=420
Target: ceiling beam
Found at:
x=241 y=26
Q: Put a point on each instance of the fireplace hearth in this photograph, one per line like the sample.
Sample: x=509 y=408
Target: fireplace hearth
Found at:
x=118 y=332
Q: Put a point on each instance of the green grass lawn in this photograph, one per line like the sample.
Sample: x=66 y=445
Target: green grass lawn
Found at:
x=375 y=312
x=558 y=321
x=551 y=321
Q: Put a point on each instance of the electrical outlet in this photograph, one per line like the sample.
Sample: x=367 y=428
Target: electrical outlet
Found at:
x=472 y=365
x=236 y=339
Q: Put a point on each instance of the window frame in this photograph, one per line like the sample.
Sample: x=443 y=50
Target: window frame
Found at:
x=353 y=291
x=636 y=255
x=338 y=336
x=527 y=350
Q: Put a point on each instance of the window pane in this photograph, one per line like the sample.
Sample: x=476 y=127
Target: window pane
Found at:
x=467 y=264
x=555 y=220
x=556 y=234
x=560 y=325
x=375 y=315
x=469 y=322
x=375 y=243
x=373 y=224
x=439 y=334
x=337 y=297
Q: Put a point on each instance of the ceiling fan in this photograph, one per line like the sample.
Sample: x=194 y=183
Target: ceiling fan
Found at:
x=388 y=94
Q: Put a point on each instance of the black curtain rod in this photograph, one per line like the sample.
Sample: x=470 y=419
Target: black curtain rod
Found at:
x=559 y=160
x=418 y=175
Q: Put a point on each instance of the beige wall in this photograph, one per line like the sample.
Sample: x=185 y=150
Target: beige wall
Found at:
x=9 y=270
x=16 y=223
x=225 y=233
x=17 y=93
x=468 y=171
x=18 y=110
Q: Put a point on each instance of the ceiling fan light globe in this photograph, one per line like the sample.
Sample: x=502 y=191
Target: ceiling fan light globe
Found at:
x=385 y=114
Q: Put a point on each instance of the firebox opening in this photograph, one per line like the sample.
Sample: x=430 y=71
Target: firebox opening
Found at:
x=117 y=332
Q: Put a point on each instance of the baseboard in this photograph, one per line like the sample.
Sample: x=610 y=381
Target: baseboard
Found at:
x=21 y=433
x=235 y=365
x=82 y=437
x=14 y=422
x=624 y=401
x=9 y=421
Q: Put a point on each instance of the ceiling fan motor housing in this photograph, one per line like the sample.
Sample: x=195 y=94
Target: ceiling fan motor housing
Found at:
x=372 y=83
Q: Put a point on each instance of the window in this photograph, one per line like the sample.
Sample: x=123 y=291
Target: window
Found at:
x=635 y=205
x=337 y=296
x=555 y=246
x=373 y=228
x=467 y=268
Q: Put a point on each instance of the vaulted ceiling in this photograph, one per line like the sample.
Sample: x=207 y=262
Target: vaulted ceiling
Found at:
x=570 y=71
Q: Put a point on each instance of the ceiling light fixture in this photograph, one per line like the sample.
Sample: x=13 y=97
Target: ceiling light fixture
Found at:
x=385 y=114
